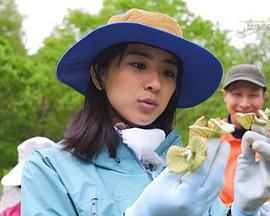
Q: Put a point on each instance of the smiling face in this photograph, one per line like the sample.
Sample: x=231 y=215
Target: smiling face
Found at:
x=140 y=86
x=244 y=97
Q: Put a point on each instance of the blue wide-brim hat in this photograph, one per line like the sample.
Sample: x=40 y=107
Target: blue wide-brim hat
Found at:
x=201 y=72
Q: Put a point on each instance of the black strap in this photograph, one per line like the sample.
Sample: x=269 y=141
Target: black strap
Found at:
x=229 y=212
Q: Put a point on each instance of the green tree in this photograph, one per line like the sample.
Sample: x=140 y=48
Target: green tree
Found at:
x=54 y=102
x=11 y=25
x=14 y=72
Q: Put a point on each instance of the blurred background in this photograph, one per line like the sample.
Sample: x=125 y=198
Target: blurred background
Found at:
x=34 y=103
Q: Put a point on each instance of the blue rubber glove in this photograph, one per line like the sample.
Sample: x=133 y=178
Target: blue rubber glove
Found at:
x=188 y=194
x=252 y=178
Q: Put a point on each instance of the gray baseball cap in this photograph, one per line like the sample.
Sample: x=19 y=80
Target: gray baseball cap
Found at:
x=246 y=72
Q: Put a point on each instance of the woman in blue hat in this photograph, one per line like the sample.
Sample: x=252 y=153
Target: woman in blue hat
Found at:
x=134 y=72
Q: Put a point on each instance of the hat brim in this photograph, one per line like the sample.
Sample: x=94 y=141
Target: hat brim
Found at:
x=202 y=71
x=244 y=78
x=13 y=178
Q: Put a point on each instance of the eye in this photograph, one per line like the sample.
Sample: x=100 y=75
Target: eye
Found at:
x=170 y=74
x=236 y=94
x=138 y=65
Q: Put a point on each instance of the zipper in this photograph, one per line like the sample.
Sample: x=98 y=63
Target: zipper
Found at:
x=171 y=139
x=149 y=174
x=94 y=206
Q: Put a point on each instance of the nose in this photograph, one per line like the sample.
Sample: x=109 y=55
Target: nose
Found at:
x=244 y=103
x=152 y=81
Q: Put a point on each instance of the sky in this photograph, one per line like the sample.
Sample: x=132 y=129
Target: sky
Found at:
x=42 y=15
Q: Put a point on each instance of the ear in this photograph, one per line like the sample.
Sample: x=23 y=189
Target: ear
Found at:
x=223 y=92
x=264 y=95
x=94 y=78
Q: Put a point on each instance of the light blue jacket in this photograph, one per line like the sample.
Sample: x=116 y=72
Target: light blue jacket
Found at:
x=54 y=182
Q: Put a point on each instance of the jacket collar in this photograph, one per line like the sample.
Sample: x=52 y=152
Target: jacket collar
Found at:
x=173 y=138
x=126 y=161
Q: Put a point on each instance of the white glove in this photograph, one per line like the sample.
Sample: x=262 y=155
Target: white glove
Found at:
x=190 y=194
x=265 y=209
x=252 y=178
x=261 y=130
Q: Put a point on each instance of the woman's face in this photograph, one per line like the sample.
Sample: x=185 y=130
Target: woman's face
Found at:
x=139 y=88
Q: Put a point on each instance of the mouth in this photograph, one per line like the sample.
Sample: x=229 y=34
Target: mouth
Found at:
x=148 y=104
x=148 y=101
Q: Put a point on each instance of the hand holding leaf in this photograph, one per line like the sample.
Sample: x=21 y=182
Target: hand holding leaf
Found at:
x=192 y=156
x=246 y=120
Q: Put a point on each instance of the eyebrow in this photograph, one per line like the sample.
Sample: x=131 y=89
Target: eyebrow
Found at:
x=146 y=55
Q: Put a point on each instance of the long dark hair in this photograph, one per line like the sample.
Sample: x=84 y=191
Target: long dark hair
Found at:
x=92 y=128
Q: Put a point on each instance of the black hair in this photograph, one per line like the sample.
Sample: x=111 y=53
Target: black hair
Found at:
x=92 y=128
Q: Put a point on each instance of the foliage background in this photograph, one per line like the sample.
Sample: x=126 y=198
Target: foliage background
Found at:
x=34 y=103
